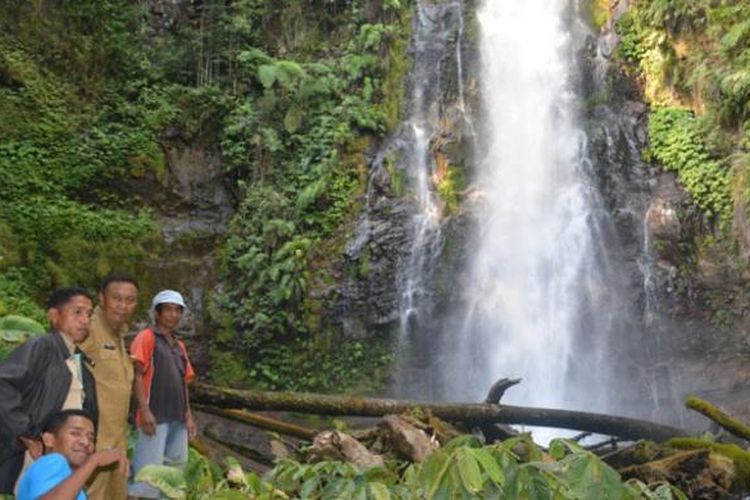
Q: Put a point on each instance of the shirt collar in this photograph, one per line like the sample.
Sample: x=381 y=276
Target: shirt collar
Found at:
x=69 y=344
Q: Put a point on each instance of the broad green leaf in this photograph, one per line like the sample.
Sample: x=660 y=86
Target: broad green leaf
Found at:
x=293 y=119
x=14 y=336
x=267 y=74
x=471 y=476
x=379 y=491
x=469 y=440
x=489 y=464
x=309 y=488
x=21 y=323
x=589 y=478
x=431 y=468
x=168 y=480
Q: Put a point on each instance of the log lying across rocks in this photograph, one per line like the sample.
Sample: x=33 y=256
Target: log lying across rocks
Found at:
x=471 y=413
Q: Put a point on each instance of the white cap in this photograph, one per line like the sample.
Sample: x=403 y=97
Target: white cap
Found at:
x=167 y=297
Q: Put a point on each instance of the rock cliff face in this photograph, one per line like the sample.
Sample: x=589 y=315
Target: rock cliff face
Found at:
x=192 y=203
x=371 y=301
x=688 y=301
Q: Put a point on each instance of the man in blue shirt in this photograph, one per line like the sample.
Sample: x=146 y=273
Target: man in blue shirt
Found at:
x=69 y=459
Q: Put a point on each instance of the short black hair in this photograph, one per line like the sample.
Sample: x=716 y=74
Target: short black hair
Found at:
x=62 y=296
x=117 y=278
x=56 y=420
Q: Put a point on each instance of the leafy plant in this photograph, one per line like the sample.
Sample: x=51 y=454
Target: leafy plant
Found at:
x=15 y=330
x=677 y=142
x=463 y=468
x=203 y=479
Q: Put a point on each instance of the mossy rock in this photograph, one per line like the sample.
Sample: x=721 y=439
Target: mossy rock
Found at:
x=739 y=457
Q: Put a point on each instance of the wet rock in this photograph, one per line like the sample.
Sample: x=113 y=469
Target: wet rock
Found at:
x=407 y=441
x=336 y=445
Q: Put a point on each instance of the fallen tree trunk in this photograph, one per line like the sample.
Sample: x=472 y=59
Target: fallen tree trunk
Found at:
x=472 y=413
x=262 y=421
x=728 y=423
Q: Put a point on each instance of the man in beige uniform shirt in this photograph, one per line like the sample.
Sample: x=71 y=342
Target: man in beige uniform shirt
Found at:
x=113 y=373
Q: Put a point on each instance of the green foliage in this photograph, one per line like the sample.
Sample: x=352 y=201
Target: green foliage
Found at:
x=599 y=13
x=288 y=94
x=450 y=186
x=695 y=55
x=15 y=330
x=294 y=138
x=17 y=293
x=203 y=479
x=677 y=142
x=330 y=479
x=306 y=365
x=462 y=469
x=67 y=137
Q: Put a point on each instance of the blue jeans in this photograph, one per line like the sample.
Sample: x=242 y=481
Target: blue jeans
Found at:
x=168 y=446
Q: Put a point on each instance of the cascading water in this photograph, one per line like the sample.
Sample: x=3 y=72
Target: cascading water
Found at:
x=434 y=29
x=537 y=301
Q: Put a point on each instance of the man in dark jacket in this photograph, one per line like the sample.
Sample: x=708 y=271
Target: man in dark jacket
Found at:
x=44 y=375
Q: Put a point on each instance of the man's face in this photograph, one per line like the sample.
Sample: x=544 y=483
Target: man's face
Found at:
x=169 y=316
x=118 y=302
x=74 y=440
x=73 y=318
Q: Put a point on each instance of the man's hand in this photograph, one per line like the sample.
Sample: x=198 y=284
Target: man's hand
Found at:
x=190 y=424
x=148 y=421
x=109 y=456
x=34 y=446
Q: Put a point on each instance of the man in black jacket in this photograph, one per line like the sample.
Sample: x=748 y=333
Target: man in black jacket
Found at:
x=44 y=375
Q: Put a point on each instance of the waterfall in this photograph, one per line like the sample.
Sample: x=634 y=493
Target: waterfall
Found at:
x=436 y=26
x=536 y=302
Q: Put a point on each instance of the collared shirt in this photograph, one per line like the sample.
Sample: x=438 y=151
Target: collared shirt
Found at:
x=113 y=373
x=74 y=399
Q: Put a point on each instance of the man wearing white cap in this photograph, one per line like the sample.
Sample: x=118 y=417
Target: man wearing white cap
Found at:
x=162 y=372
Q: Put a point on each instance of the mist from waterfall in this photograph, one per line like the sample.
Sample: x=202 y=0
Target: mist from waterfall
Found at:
x=537 y=301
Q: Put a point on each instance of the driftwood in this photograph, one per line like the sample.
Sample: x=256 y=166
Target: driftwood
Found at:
x=497 y=391
x=219 y=452
x=471 y=413
x=262 y=421
x=240 y=447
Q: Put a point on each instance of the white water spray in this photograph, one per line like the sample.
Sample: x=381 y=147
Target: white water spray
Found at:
x=536 y=298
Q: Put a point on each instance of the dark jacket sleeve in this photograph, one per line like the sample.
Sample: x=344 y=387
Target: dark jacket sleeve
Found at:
x=17 y=373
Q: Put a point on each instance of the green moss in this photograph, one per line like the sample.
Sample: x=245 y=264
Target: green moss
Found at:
x=739 y=457
x=396 y=175
x=705 y=408
x=227 y=370
x=450 y=187
x=397 y=66
x=599 y=13
x=363 y=271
